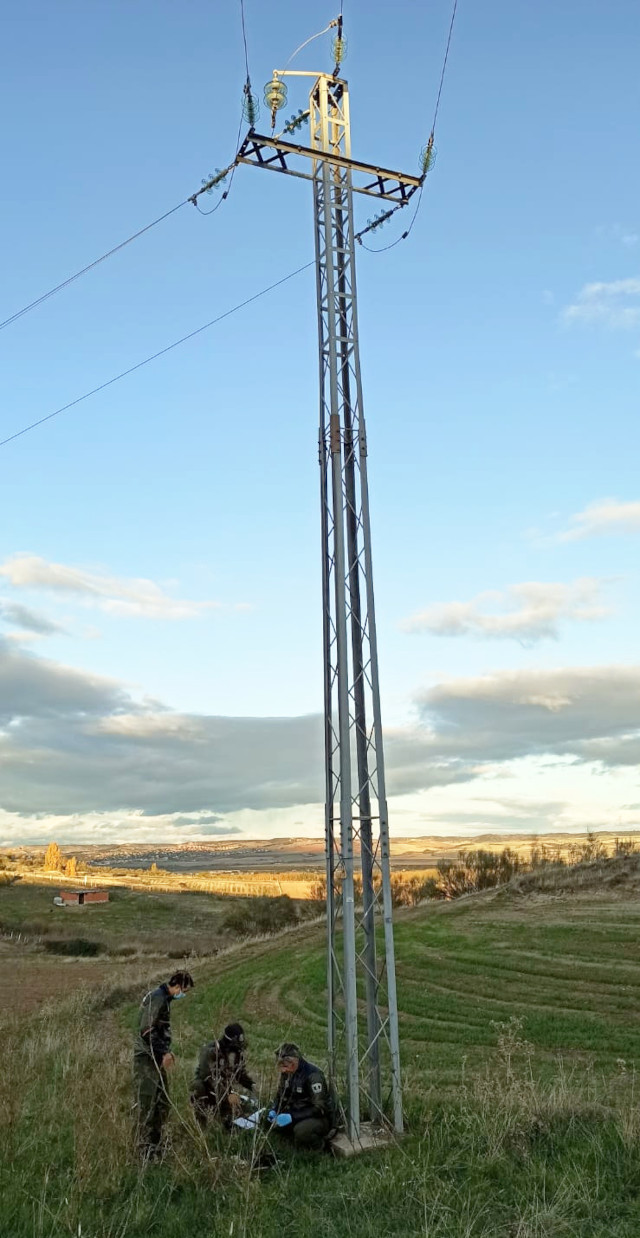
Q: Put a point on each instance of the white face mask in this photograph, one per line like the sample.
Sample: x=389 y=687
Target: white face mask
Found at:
x=178 y=995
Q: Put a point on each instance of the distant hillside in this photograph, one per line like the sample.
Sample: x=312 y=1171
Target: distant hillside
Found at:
x=279 y=854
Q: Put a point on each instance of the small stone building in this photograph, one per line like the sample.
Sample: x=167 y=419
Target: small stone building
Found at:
x=78 y=898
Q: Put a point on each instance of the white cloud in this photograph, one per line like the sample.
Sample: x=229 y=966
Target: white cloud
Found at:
x=533 y=795
x=116 y=595
x=150 y=726
x=35 y=688
x=606 y=304
x=95 y=828
x=28 y=620
x=603 y=516
x=22 y=638
x=527 y=612
x=576 y=713
x=75 y=744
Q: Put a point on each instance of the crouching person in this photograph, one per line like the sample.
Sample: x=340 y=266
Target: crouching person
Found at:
x=303 y=1108
x=221 y=1070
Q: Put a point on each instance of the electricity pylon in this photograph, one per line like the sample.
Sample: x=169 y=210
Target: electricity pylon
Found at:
x=356 y=821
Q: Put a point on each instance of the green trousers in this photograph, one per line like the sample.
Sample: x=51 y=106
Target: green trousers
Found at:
x=152 y=1102
x=309 y=1134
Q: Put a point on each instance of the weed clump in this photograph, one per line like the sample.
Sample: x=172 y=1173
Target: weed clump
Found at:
x=77 y=947
x=258 y=916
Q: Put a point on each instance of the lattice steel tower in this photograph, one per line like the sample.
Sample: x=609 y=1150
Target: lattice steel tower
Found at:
x=363 y=1043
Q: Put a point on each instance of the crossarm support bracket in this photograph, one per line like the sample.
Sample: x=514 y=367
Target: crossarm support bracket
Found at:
x=273 y=153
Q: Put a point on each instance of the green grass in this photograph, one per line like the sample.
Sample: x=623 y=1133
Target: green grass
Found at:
x=520 y=1037
x=151 y=923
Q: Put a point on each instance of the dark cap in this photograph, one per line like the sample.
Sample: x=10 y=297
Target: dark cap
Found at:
x=234 y=1033
x=288 y=1049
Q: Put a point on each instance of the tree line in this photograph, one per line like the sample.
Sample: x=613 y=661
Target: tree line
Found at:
x=479 y=869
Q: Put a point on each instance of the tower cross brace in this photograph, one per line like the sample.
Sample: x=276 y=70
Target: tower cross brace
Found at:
x=363 y=1039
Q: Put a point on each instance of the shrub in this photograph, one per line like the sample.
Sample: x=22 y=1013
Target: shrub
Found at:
x=120 y=995
x=586 y=852
x=319 y=890
x=261 y=915
x=180 y=948
x=477 y=870
x=407 y=890
x=79 y=947
x=624 y=847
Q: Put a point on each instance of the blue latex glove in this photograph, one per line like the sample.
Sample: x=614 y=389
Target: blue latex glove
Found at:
x=271 y=1115
x=284 y=1119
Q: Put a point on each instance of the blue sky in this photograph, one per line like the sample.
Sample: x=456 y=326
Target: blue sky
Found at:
x=501 y=355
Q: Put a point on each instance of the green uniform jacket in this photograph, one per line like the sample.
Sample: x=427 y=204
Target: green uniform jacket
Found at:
x=305 y=1094
x=219 y=1072
x=154 y=1025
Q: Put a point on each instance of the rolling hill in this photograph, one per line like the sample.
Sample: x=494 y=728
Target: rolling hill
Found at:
x=521 y=1039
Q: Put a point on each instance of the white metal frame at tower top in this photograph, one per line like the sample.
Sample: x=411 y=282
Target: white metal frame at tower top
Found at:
x=363 y=1039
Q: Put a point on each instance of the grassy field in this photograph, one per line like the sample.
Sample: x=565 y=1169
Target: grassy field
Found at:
x=146 y=921
x=520 y=1039
x=132 y=926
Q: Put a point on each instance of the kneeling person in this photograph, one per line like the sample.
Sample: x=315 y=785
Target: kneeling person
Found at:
x=221 y=1070
x=303 y=1105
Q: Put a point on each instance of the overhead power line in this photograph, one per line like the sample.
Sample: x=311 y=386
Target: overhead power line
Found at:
x=154 y=357
x=244 y=38
x=444 y=65
x=109 y=254
x=206 y=186
x=249 y=114
x=429 y=155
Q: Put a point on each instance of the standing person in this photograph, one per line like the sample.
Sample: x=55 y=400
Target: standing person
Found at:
x=221 y=1070
x=152 y=1058
x=303 y=1108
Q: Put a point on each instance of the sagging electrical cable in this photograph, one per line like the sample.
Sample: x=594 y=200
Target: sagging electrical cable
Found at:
x=250 y=114
x=427 y=159
x=218 y=179
x=103 y=257
x=206 y=186
x=154 y=357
